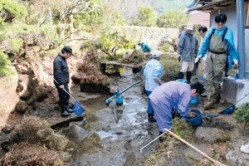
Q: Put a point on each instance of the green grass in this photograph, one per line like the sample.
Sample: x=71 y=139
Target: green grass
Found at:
x=171 y=67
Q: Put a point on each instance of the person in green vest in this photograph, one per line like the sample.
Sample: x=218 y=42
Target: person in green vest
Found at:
x=218 y=47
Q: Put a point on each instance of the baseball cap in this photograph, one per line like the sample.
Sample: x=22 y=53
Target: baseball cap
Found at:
x=190 y=27
x=156 y=54
x=67 y=49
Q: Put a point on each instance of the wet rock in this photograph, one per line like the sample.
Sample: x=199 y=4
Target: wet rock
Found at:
x=90 y=143
x=176 y=160
x=234 y=156
x=220 y=123
x=211 y=135
x=77 y=133
x=118 y=131
x=190 y=153
x=130 y=160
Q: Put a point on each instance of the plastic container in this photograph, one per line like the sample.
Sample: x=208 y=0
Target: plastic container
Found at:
x=195 y=121
x=194 y=100
x=119 y=100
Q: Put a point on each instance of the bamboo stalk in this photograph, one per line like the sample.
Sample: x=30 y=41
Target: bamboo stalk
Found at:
x=217 y=163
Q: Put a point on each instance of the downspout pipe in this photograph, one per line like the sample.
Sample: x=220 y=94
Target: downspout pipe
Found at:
x=241 y=37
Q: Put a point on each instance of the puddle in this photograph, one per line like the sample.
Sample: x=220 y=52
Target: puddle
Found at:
x=97 y=103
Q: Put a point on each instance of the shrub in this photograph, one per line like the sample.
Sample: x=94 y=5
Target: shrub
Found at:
x=5 y=69
x=171 y=67
x=242 y=113
x=166 y=47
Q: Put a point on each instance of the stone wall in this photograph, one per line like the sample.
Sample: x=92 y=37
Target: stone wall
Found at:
x=151 y=35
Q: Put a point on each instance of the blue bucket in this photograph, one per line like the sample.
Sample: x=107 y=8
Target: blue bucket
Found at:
x=195 y=121
x=78 y=109
x=194 y=100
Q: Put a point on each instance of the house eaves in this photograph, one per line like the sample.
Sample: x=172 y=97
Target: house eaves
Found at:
x=221 y=4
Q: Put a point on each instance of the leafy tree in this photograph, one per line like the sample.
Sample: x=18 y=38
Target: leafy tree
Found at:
x=10 y=9
x=109 y=42
x=172 y=19
x=103 y=17
x=145 y=16
x=5 y=69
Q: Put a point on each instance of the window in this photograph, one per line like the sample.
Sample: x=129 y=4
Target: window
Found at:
x=247 y=14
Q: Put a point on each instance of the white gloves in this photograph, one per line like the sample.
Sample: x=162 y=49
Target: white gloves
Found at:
x=197 y=59
x=236 y=64
x=235 y=61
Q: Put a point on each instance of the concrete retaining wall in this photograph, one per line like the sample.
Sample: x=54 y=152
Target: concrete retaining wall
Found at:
x=151 y=35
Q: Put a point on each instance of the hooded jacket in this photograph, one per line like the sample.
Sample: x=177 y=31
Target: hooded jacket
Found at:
x=188 y=47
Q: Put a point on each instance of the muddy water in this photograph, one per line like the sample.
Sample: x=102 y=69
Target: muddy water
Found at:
x=120 y=139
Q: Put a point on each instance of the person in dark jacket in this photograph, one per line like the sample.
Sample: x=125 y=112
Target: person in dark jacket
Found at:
x=61 y=79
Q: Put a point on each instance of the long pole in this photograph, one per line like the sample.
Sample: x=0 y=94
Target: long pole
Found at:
x=141 y=149
x=196 y=149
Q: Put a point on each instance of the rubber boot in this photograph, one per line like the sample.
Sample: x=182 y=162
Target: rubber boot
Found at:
x=188 y=76
x=151 y=118
x=64 y=112
x=181 y=75
x=162 y=138
x=69 y=110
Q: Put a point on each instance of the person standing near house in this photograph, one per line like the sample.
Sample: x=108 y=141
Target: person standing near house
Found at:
x=202 y=30
x=61 y=79
x=153 y=72
x=187 y=52
x=217 y=45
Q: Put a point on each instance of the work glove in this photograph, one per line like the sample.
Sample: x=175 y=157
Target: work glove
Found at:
x=179 y=58
x=236 y=64
x=197 y=59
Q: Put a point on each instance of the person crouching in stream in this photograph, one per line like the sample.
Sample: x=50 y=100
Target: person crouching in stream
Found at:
x=173 y=95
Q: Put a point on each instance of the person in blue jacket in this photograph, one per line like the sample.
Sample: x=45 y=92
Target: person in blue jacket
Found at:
x=153 y=72
x=146 y=48
x=218 y=46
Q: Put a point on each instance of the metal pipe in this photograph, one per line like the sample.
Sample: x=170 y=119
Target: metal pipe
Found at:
x=241 y=37
x=108 y=101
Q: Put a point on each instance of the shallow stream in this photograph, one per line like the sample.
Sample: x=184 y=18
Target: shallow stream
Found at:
x=122 y=130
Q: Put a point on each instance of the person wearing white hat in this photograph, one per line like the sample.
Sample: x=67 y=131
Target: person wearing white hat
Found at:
x=245 y=148
x=153 y=72
x=187 y=52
